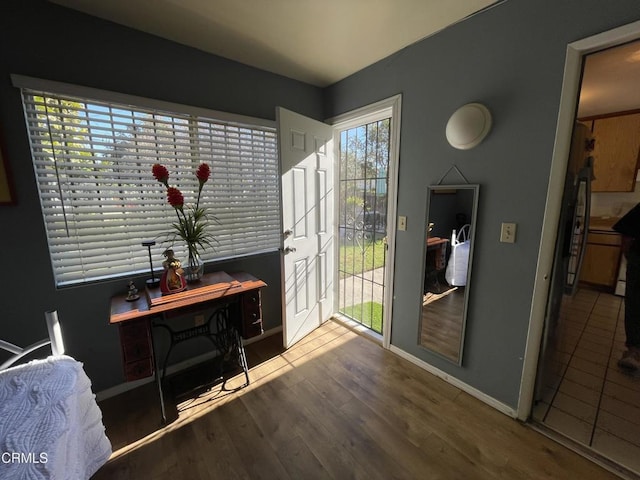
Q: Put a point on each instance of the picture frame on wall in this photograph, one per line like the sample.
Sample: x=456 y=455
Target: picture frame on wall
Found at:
x=7 y=195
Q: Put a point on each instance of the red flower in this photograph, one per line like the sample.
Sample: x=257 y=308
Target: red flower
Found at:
x=175 y=197
x=203 y=173
x=160 y=173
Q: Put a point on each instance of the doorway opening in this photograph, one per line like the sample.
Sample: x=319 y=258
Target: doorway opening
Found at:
x=581 y=393
x=367 y=152
x=363 y=200
x=311 y=202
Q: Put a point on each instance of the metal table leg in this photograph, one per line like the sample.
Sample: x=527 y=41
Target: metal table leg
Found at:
x=230 y=343
x=226 y=339
x=156 y=366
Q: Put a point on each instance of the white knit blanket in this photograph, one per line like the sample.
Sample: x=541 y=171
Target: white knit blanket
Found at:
x=50 y=424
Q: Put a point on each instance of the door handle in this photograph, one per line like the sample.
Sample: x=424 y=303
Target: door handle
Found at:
x=289 y=250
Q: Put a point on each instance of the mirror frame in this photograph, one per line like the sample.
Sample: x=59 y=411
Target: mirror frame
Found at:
x=431 y=190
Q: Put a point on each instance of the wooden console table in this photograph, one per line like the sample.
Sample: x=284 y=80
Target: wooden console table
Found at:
x=237 y=314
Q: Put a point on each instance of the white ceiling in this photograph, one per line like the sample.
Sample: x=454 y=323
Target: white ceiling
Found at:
x=323 y=41
x=315 y=41
x=611 y=81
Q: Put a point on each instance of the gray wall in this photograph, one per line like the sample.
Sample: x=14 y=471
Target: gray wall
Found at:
x=43 y=40
x=511 y=58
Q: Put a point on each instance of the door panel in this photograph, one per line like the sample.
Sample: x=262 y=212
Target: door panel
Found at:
x=307 y=214
x=299 y=204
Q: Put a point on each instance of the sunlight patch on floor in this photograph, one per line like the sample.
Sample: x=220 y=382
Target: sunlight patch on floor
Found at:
x=432 y=297
x=327 y=337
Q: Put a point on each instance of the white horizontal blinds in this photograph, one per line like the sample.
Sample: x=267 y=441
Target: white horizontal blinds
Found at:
x=99 y=199
x=245 y=196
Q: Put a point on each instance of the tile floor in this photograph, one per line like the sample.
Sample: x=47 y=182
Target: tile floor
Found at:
x=587 y=397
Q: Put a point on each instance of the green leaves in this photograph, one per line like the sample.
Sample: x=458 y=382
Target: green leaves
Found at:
x=192 y=229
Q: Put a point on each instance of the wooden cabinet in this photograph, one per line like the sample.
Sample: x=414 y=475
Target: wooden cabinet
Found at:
x=616 y=153
x=601 y=259
x=137 y=351
x=251 y=316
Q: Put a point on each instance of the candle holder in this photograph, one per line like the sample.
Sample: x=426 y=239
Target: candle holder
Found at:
x=153 y=281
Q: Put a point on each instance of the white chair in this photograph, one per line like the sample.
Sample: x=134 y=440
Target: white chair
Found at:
x=55 y=340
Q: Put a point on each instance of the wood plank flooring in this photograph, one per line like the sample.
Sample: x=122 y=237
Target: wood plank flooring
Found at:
x=442 y=321
x=336 y=405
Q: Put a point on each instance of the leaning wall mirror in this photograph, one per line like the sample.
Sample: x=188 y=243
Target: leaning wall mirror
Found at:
x=448 y=254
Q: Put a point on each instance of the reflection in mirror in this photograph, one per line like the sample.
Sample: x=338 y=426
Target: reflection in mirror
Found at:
x=451 y=220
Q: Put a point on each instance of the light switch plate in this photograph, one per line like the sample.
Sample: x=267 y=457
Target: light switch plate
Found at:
x=402 y=222
x=508 y=232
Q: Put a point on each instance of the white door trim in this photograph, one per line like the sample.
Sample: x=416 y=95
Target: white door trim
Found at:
x=389 y=107
x=566 y=118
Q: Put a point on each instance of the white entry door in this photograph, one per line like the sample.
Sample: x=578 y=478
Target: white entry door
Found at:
x=306 y=159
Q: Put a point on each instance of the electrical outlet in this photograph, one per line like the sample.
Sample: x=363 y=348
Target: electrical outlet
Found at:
x=402 y=223
x=508 y=233
x=199 y=320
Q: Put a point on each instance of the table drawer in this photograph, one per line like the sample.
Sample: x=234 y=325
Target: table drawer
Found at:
x=137 y=370
x=137 y=351
x=251 y=299
x=134 y=330
x=251 y=321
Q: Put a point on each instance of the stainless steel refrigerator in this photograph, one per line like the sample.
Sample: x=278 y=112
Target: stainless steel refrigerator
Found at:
x=571 y=243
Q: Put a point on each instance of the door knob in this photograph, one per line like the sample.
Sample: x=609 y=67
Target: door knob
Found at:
x=289 y=250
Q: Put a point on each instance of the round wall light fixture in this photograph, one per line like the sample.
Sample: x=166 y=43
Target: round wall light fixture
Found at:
x=468 y=126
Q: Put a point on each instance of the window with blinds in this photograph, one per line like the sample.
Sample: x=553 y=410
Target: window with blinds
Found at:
x=93 y=163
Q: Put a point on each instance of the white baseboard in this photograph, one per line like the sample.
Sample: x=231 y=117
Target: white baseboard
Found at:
x=190 y=362
x=483 y=397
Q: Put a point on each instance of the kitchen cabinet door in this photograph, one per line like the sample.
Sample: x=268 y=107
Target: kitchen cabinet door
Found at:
x=601 y=259
x=616 y=153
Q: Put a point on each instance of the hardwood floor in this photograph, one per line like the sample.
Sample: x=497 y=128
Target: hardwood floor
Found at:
x=442 y=319
x=336 y=405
